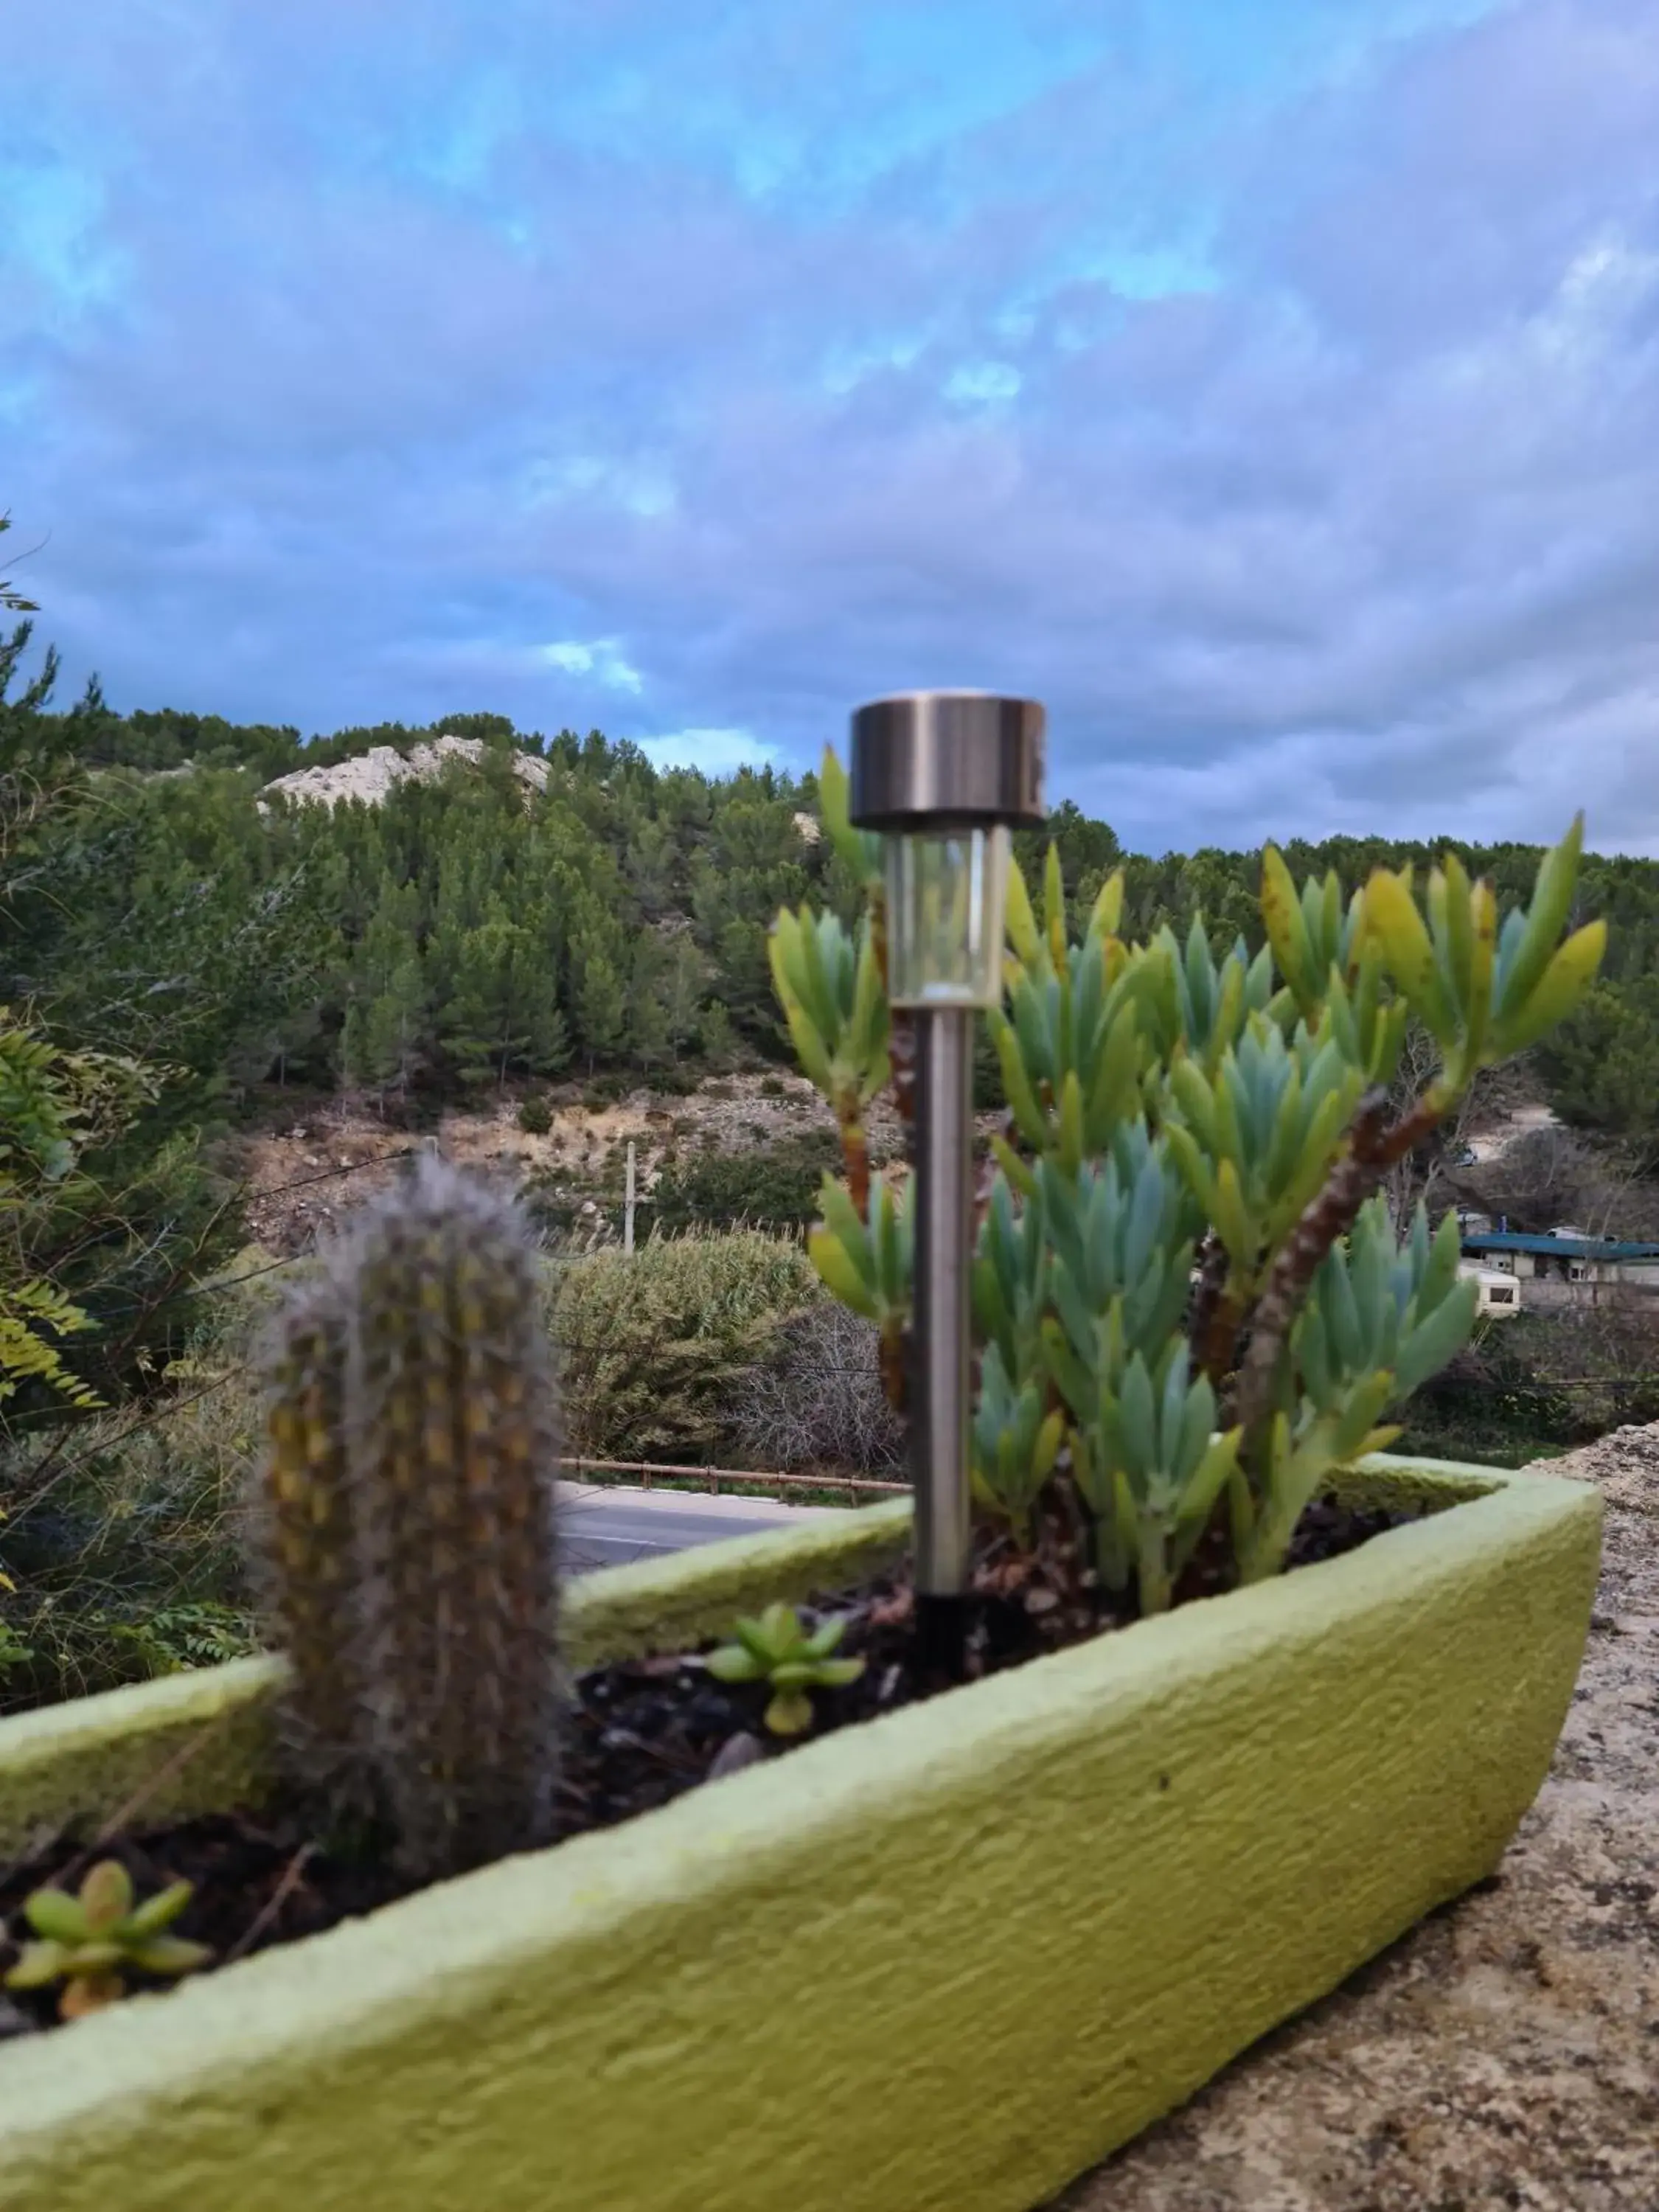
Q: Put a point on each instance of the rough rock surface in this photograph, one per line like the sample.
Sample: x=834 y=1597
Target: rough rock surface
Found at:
x=370 y=776
x=1506 y=2051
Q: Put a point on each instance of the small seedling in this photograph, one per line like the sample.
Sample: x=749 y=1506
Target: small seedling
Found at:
x=776 y=1649
x=89 y=1941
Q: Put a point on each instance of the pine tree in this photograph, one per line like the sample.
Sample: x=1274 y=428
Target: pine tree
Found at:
x=502 y=1012
x=683 y=981
x=598 y=997
x=649 y=1040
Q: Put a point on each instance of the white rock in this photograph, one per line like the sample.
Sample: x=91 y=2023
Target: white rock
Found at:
x=372 y=775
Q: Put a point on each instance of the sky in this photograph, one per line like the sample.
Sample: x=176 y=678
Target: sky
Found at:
x=1272 y=390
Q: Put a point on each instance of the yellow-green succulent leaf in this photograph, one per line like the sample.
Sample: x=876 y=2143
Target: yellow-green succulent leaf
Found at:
x=1563 y=983
x=842 y=1219
x=1231 y=1218
x=172 y=1955
x=39 y=1965
x=1028 y=1117
x=1287 y=931
x=1483 y=949
x=1457 y=919
x=56 y=1916
x=1546 y=917
x=1107 y=910
x=1019 y=1173
x=1054 y=907
x=1070 y=1122
x=105 y=1894
x=157 y=1912
x=1019 y=921
x=839 y=1274
x=1391 y=917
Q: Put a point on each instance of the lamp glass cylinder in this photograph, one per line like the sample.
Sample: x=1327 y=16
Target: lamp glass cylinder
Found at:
x=946 y=892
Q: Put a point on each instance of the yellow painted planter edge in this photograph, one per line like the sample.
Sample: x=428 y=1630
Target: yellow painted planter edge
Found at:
x=947 y=1960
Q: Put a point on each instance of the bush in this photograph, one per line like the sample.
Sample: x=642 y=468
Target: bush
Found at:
x=123 y=1539
x=774 y=1184
x=817 y=1402
x=535 y=1118
x=122 y=1544
x=772 y=1086
x=655 y=1350
x=602 y=1090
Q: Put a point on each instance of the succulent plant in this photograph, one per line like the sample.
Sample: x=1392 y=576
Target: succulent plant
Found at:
x=866 y=1256
x=90 y=1942
x=776 y=1649
x=1380 y=1319
x=1189 y=1302
x=408 y=1530
x=310 y=1566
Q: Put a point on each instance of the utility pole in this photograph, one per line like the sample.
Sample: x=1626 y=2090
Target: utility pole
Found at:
x=628 y=1203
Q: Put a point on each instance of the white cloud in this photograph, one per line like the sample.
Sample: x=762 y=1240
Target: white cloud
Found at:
x=601 y=658
x=983 y=383
x=716 y=752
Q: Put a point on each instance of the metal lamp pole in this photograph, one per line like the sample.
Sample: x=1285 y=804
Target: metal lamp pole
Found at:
x=944 y=774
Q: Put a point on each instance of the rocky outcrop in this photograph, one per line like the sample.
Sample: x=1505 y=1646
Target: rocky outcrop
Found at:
x=372 y=775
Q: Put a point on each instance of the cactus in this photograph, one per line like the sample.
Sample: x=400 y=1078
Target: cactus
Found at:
x=408 y=1523
x=309 y=1561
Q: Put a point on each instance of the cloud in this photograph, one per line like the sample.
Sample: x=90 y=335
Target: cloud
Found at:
x=716 y=752
x=601 y=659
x=1279 y=402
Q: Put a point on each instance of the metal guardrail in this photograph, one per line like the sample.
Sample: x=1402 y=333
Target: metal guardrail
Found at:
x=710 y=1478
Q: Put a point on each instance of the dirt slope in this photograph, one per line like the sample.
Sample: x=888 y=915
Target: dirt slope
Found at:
x=306 y=1177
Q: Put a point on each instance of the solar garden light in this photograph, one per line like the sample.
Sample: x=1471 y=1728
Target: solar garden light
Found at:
x=942 y=775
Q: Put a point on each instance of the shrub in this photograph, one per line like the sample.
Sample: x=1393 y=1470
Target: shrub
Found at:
x=774 y=1184
x=602 y=1090
x=772 y=1086
x=535 y=1118
x=123 y=1541
x=655 y=1347
x=818 y=1402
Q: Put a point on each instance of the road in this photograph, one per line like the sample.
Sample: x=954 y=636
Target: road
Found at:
x=604 y=1526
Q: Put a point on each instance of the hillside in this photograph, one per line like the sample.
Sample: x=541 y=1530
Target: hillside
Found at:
x=414 y=924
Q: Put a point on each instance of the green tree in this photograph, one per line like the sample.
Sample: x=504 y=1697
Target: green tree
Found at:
x=10 y=598
x=684 y=978
x=1601 y=1064
x=502 y=1012
x=599 y=994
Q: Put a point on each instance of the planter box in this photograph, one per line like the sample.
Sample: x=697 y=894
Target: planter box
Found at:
x=941 y=1963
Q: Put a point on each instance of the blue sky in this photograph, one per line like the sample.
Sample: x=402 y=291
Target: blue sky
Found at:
x=1272 y=389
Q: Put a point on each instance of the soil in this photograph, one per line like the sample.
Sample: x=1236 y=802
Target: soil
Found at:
x=639 y=1733
x=1506 y=2051
x=311 y=1173
x=313 y=1168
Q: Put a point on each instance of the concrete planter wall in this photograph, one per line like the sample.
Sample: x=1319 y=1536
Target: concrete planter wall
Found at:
x=939 y=1964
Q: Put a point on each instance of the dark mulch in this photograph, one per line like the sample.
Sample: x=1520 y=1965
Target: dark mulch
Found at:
x=641 y=1732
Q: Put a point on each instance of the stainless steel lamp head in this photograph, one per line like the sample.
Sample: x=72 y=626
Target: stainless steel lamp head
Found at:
x=926 y=759
x=944 y=774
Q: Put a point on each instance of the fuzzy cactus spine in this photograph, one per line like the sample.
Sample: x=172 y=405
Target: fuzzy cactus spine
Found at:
x=443 y=1473
x=307 y=1551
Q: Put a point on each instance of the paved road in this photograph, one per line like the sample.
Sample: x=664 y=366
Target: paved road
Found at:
x=605 y=1526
